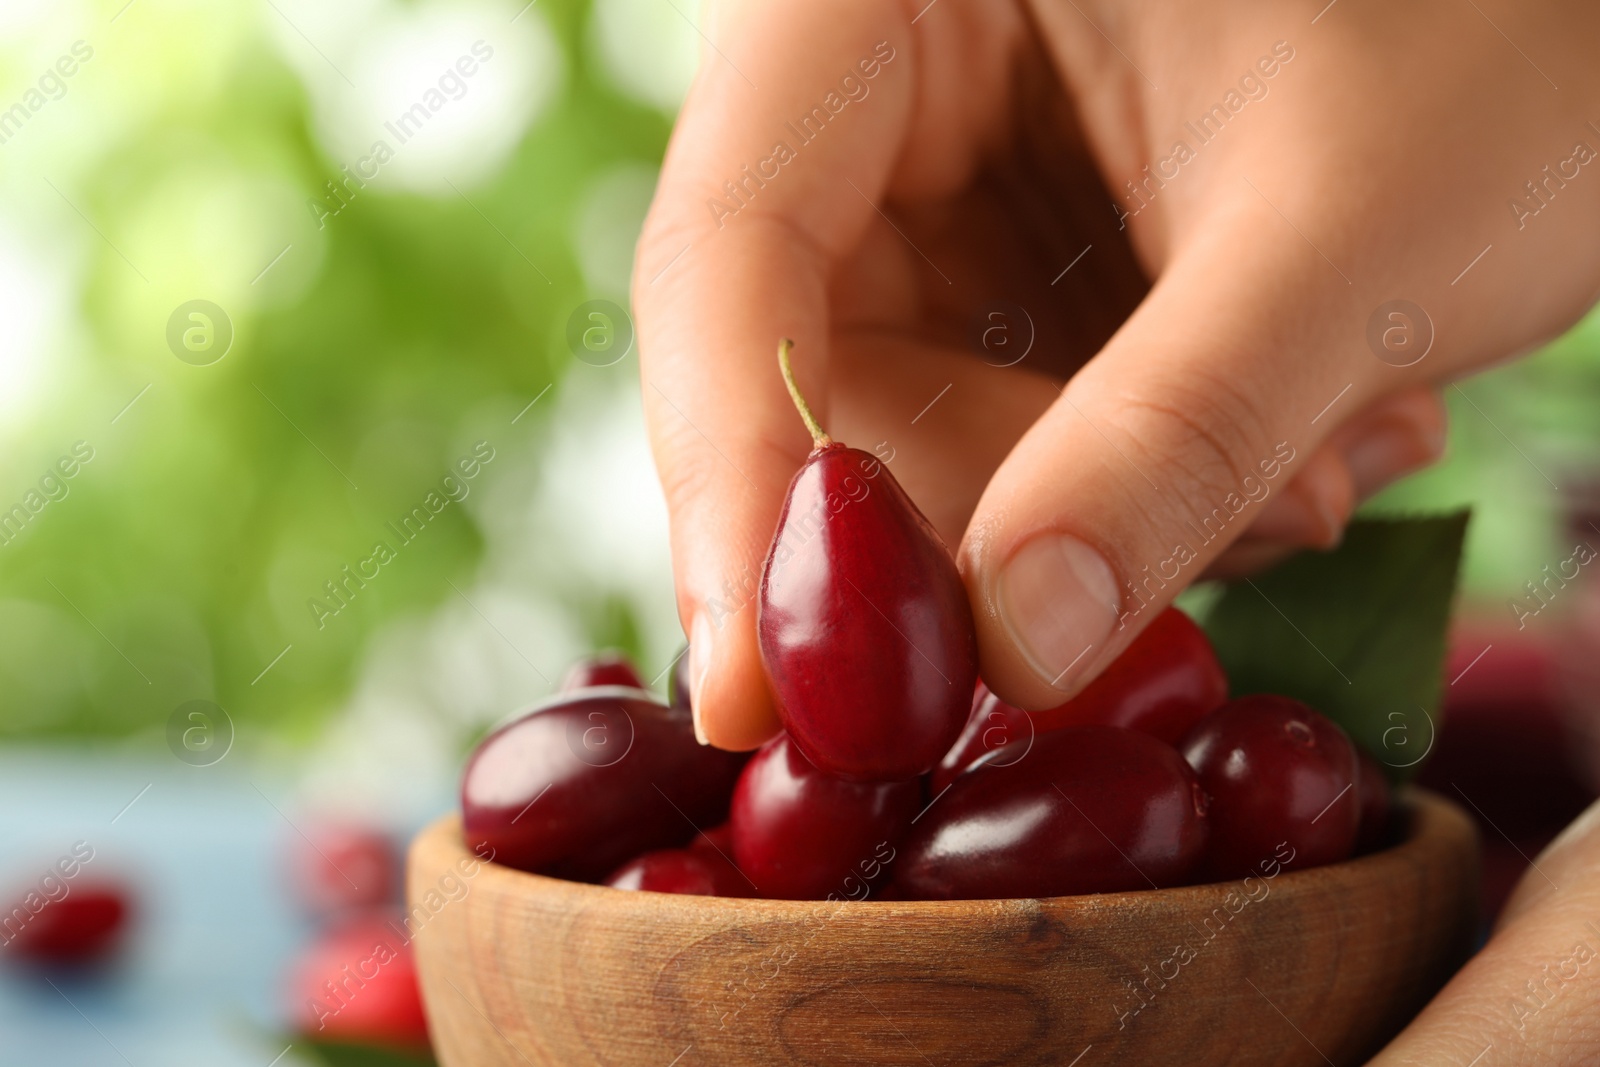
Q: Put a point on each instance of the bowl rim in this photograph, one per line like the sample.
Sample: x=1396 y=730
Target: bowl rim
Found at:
x=1424 y=823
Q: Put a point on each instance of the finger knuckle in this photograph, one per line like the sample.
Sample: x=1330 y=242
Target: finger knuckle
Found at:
x=1203 y=432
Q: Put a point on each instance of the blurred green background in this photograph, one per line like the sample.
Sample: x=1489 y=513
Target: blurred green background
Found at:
x=374 y=346
x=376 y=341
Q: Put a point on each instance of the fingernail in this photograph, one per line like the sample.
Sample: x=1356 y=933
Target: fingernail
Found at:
x=699 y=664
x=1380 y=457
x=1058 y=600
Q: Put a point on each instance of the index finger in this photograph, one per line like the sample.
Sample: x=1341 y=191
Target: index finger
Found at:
x=787 y=137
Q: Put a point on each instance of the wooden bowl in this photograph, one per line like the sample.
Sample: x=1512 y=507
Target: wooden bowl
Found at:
x=1313 y=967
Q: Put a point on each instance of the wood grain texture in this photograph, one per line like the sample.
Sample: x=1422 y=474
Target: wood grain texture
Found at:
x=1314 y=967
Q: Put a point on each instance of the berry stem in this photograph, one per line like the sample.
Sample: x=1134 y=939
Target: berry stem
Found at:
x=819 y=436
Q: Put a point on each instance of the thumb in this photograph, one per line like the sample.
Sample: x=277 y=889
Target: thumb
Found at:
x=1159 y=453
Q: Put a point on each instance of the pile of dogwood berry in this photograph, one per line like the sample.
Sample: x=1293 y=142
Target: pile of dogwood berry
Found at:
x=898 y=774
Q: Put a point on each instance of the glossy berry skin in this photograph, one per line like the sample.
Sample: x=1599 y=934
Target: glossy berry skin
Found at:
x=357 y=984
x=1376 y=803
x=1090 y=809
x=802 y=835
x=1278 y=773
x=602 y=668
x=992 y=724
x=1163 y=683
x=83 y=927
x=681 y=870
x=581 y=784
x=717 y=841
x=716 y=846
x=865 y=629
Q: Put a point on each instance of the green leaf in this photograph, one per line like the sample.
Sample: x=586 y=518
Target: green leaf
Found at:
x=1359 y=633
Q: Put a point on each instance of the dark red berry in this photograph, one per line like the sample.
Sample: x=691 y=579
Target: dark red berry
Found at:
x=681 y=870
x=993 y=724
x=1163 y=683
x=580 y=785
x=84 y=926
x=602 y=668
x=800 y=834
x=1167 y=680
x=1283 y=785
x=716 y=845
x=1089 y=809
x=865 y=629
x=717 y=840
x=1376 y=803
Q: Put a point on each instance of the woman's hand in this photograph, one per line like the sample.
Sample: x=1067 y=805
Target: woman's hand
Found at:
x=1206 y=211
